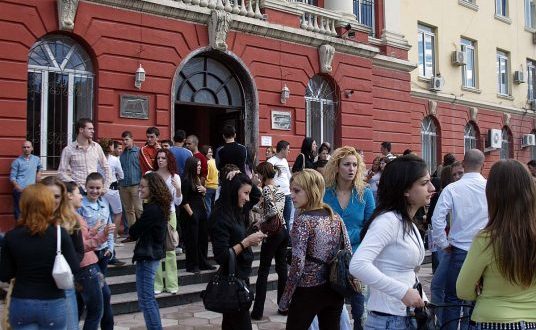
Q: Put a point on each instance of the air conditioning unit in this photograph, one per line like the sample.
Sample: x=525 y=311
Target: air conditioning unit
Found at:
x=528 y=140
x=519 y=77
x=437 y=83
x=458 y=58
x=494 y=140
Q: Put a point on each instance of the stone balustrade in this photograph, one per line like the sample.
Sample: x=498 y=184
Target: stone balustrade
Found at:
x=246 y=8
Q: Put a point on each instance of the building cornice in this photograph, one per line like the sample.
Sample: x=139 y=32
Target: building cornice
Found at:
x=254 y=26
x=453 y=99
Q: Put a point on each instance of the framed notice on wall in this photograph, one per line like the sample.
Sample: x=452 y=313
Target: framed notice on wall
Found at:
x=134 y=106
x=281 y=120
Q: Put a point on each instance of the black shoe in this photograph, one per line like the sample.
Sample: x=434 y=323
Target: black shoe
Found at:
x=280 y=312
x=116 y=262
x=207 y=267
x=194 y=270
x=255 y=316
x=128 y=240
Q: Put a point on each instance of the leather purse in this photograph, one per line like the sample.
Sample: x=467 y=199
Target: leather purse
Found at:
x=227 y=293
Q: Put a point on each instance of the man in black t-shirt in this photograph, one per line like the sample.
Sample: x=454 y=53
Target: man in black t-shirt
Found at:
x=231 y=152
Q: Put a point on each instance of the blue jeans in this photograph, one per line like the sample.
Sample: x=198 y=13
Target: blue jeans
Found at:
x=377 y=322
x=36 y=314
x=210 y=195
x=437 y=287
x=358 y=309
x=16 y=200
x=72 y=309
x=90 y=282
x=451 y=314
x=107 y=321
x=145 y=274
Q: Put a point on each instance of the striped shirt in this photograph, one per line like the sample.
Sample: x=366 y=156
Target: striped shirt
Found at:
x=78 y=162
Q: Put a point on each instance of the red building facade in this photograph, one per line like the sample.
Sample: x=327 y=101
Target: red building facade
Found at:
x=361 y=97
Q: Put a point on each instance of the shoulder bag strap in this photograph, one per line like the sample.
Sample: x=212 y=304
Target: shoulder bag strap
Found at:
x=341 y=235
x=58 y=239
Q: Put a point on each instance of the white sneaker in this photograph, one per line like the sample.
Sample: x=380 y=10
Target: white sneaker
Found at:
x=178 y=250
x=157 y=292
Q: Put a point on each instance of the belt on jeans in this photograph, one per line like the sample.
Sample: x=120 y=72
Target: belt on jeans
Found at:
x=506 y=326
x=380 y=313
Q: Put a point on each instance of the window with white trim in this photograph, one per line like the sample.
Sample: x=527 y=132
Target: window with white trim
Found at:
x=501 y=8
x=364 y=13
x=531 y=80
x=468 y=70
x=507 y=144
x=426 y=48
x=429 y=142
x=530 y=14
x=470 y=137
x=60 y=91
x=503 y=69
x=320 y=104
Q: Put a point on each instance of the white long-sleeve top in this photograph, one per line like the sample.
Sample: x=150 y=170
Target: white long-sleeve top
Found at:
x=466 y=200
x=386 y=260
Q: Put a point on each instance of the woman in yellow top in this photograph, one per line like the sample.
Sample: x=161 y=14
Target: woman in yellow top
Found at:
x=500 y=269
x=211 y=183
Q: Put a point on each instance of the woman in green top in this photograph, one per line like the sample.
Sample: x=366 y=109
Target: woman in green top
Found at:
x=500 y=269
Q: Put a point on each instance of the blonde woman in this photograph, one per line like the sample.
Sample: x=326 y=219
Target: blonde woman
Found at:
x=315 y=237
x=351 y=198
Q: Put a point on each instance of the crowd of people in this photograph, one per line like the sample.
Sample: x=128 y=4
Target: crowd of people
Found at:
x=482 y=233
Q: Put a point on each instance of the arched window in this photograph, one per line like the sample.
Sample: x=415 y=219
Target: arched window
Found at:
x=507 y=148
x=320 y=104
x=429 y=142
x=60 y=91
x=470 y=136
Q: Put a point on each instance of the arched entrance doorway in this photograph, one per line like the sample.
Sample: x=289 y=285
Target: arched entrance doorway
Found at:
x=212 y=90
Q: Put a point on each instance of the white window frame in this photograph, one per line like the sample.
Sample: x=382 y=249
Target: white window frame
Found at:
x=429 y=142
x=530 y=14
x=470 y=138
x=426 y=36
x=503 y=78
x=317 y=96
x=531 y=80
x=501 y=8
x=468 y=47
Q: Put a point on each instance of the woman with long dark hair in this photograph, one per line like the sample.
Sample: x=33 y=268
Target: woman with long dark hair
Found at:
x=28 y=254
x=273 y=201
x=165 y=166
x=316 y=238
x=392 y=247
x=229 y=223
x=502 y=259
x=194 y=215
x=306 y=158
x=149 y=231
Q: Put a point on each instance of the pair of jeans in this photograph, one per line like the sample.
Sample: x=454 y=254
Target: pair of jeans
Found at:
x=71 y=309
x=358 y=309
x=287 y=211
x=437 y=287
x=89 y=282
x=274 y=246
x=391 y=322
x=166 y=277
x=308 y=302
x=452 y=314
x=37 y=314
x=145 y=275
x=210 y=196
x=16 y=201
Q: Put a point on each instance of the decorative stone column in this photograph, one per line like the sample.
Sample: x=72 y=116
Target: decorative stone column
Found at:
x=343 y=7
x=391 y=35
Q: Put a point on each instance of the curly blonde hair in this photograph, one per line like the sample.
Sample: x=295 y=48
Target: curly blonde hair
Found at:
x=331 y=171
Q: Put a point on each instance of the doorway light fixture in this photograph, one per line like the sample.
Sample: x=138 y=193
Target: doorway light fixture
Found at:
x=139 y=77
x=285 y=94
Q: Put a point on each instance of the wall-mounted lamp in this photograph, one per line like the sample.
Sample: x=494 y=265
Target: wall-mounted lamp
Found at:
x=285 y=94
x=348 y=92
x=140 y=77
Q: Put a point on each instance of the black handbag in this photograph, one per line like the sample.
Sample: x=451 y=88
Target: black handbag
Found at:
x=227 y=293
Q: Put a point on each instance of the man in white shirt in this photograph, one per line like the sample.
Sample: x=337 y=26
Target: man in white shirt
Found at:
x=466 y=201
x=282 y=179
x=385 y=149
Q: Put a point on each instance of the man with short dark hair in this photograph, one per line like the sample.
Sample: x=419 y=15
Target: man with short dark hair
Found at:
x=148 y=151
x=128 y=187
x=166 y=144
x=532 y=168
x=178 y=150
x=385 y=149
x=25 y=170
x=81 y=157
x=282 y=178
x=231 y=152
x=192 y=143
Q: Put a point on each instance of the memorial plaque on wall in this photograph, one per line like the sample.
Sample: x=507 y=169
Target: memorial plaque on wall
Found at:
x=134 y=106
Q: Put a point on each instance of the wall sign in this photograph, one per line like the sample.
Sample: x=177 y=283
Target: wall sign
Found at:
x=281 y=120
x=134 y=106
x=266 y=141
